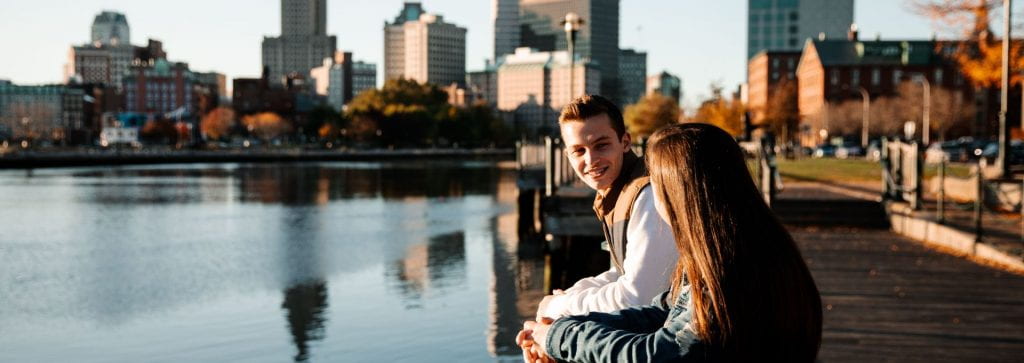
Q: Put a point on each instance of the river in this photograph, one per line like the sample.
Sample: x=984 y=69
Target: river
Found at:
x=319 y=262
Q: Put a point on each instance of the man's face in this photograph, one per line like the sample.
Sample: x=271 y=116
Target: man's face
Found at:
x=594 y=150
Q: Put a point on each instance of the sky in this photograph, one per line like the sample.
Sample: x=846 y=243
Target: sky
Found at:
x=700 y=41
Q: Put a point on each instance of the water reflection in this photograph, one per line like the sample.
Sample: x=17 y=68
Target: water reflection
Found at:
x=305 y=308
x=431 y=267
x=105 y=251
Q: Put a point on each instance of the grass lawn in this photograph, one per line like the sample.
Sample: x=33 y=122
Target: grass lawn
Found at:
x=850 y=170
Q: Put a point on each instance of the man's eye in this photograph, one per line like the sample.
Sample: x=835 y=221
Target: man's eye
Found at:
x=577 y=152
x=601 y=146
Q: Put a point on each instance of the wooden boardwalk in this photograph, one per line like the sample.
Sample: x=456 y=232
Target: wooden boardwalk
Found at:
x=888 y=298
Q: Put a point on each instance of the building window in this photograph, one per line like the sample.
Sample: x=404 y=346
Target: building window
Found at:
x=793 y=42
x=876 y=76
x=855 y=77
x=793 y=29
x=835 y=77
x=897 y=76
x=775 y=63
x=793 y=16
x=791 y=63
x=938 y=76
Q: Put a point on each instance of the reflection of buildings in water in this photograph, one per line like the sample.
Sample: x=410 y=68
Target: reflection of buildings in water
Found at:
x=434 y=266
x=517 y=280
x=305 y=298
x=305 y=307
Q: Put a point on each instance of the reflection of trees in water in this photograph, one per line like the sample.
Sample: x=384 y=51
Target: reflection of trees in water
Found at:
x=319 y=183
x=439 y=264
x=305 y=306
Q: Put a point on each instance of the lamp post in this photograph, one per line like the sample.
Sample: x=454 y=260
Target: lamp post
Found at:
x=1004 y=97
x=572 y=24
x=865 y=116
x=926 y=111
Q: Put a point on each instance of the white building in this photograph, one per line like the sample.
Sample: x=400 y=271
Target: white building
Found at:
x=428 y=49
x=785 y=24
x=535 y=86
x=107 y=57
x=340 y=78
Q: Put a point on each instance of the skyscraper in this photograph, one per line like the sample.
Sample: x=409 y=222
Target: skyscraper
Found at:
x=111 y=28
x=426 y=49
x=632 y=75
x=506 y=27
x=784 y=25
x=303 y=43
x=598 y=39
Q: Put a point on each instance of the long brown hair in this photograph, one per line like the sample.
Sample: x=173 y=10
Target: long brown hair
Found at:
x=752 y=294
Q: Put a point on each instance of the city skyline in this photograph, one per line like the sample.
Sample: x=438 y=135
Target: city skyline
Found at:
x=227 y=39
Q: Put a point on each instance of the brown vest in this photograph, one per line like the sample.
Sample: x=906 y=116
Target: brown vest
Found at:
x=614 y=209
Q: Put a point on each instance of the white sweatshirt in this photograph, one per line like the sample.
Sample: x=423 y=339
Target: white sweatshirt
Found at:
x=651 y=256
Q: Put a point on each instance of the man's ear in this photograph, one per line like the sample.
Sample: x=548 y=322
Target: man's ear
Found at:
x=627 y=141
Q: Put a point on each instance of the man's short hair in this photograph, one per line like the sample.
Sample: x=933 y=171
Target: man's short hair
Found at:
x=588 y=106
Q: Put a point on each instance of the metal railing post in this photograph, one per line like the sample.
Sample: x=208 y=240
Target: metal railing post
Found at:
x=942 y=190
x=978 y=200
x=918 y=175
x=549 y=168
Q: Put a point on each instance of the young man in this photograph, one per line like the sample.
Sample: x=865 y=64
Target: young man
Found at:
x=642 y=247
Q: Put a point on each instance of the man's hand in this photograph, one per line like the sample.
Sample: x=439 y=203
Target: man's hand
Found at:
x=533 y=352
x=543 y=306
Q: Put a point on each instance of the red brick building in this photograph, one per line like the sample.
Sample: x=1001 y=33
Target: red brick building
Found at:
x=765 y=72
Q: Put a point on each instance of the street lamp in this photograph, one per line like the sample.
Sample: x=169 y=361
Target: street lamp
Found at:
x=1004 y=96
x=572 y=24
x=926 y=112
x=865 y=116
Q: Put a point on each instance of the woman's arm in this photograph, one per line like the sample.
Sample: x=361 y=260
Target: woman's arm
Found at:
x=577 y=339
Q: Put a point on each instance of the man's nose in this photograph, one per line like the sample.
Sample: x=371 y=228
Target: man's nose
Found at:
x=588 y=157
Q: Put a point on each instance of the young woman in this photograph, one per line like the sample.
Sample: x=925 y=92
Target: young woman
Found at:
x=740 y=292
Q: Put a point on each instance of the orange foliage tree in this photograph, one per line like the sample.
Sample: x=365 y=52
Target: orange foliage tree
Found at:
x=266 y=125
x=651 y=113
x=979 y=58
x=718 y=111
x=217 y=123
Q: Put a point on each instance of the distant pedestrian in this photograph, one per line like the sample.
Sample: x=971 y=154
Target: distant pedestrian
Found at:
x=741 y=290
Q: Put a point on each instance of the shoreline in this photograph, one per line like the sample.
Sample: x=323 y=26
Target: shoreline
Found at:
x=38 y=160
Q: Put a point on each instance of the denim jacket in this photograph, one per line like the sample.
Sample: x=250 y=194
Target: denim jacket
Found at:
x=653 y=333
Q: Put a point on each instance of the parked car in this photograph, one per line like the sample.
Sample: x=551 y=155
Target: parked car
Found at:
x=848 y=150
x=825 y=150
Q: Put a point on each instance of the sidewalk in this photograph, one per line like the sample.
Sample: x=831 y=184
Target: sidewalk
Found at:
x=889 y=298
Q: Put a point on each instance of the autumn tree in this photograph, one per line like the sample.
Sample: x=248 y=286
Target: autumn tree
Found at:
x=782 y=114
x=979 y=58
x=718 y=111
x=266 y=125
x=218 y=123
x=651 y=113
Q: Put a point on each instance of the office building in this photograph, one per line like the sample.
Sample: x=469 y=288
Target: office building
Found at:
x=598 y=39
x=536 y=85
x=40 y=112
x=667 y=85
x=506 y=27
x=784 y=25
x=426 y=49
x=632 y=76
x=303 y=43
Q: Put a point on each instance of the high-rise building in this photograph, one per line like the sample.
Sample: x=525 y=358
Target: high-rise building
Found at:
x=341 y=78
x=666 y=84
x=426 y=49
x=364 y=77
x=632 y=76
x=40 y=112
x=394 y=40
x=598 y=39
x=303 y=43
x=111 y=28
x=506 y=27
x=784 y=25
x=536 y=85
x=483 y=85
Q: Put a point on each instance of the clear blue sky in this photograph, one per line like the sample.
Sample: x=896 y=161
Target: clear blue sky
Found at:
x=700 y=41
